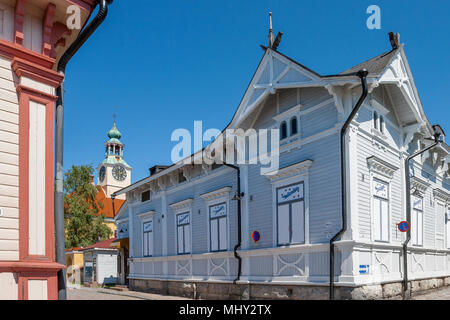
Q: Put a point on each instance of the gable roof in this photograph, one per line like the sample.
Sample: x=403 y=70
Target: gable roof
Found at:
x=375 y=66
x=106 y=244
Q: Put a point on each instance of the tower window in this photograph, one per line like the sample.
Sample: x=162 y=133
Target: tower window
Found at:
x=283 y=130
x=381 y=124
x=375 y=120
x=294 y=129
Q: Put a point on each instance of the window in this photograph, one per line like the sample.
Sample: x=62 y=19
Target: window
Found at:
x=145 y=196
x=183 y=233
x=181 y=177
x=447 y=225
x=294 y=129
x=381 y=124
x=291 y=214
x=283 y=130
x=148 y=238
x=417 y=221
x=381 y=210
x=375 y=120
x=218 y=227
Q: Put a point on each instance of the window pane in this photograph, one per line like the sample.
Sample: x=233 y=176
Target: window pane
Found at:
x=377 y=219
x=283 y=129
x=420 y=228
x=447 y=221
x=187 y=239
x=385 y=220
x=414 y=226
x=283 y=224
x=223 y=233
x=298 y=223
x=150 y=243
x=293 y=126
x=214 y=235
x=180 y=238
x=145 y=242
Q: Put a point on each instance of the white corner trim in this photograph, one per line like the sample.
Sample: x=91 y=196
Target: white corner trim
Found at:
x=292 y=170
x=287 y=114
x=216 y=193
x=146 y=215
x=187 y=203
x=384 y=168
x=419 y=184
x=441 y=195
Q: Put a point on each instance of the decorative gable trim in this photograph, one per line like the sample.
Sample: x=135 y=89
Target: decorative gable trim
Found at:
x=384 y=168
x=441 y=195
x=419 y=184
x=216 y=193
x=146 y=215
x=287 y=114
x=184 y=204
x=287 y=172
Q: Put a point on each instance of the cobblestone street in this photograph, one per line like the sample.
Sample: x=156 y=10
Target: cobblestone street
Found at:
x=108 y=294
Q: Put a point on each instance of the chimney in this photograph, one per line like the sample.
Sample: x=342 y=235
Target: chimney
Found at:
x=270 y=31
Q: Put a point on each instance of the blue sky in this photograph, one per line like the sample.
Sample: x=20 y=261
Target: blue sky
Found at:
x=165 y=64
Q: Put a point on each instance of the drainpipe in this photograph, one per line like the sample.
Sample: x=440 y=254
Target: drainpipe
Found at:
x=113 y=197
x=238 y=198
x=362 y=74
x=407 y=293
x=59 y=134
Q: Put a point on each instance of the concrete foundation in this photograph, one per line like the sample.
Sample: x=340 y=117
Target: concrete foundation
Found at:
x=262 y=291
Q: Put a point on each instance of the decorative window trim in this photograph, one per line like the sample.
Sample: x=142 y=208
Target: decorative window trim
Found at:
x=301 y=176
x=287 y=115
x=146 y=215
x=419 y=184
x=441 y=195
x=182 y=205
x=222 y=192
x=382 y=110
x=381 y=167
x=382 y=179
x=289 y=171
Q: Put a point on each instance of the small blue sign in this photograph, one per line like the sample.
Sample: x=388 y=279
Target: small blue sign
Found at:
x=256 y=236
x=403 y=226
x=364 y=269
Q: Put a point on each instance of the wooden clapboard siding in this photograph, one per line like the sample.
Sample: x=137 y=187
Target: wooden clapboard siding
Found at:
x=9 y=163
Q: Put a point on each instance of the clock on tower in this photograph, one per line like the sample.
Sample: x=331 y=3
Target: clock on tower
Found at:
x=113 y=172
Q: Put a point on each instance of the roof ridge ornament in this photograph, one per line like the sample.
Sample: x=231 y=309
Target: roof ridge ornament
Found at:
x=273 y=44
x=395 y=40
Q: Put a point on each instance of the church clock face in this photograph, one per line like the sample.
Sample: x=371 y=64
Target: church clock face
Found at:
x=102 y=174
x=119 y=173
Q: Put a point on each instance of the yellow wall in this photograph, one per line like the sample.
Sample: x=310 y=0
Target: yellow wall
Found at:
x=74 y=271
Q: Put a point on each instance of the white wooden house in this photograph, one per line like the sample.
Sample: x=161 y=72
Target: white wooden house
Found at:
x=182 y=238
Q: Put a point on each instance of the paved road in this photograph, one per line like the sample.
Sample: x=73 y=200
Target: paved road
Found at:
x=440 y=294
x=107 y=294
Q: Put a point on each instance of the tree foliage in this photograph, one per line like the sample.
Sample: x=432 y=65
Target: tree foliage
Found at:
x=83 y=224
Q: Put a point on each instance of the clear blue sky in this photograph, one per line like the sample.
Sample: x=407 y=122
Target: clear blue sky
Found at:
x=168 y=63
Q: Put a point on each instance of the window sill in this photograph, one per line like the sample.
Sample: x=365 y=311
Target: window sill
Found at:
x=378 y=133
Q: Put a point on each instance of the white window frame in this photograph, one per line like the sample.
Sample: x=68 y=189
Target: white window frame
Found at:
x=147 y=217
x=213 y=198
x=183 y=226
x=184 y=206
x=447 y=227
x=294 y=174
x=152 y=239
x=413 y=226
x=289 y=203
x=226 y=218
x=381 y=179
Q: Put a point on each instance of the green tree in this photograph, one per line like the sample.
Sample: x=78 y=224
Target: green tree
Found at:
x=83 y=224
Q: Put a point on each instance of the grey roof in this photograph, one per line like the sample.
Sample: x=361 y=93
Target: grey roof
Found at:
x=375 y=65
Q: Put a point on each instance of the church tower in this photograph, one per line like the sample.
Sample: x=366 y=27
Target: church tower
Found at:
x=114 y=173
